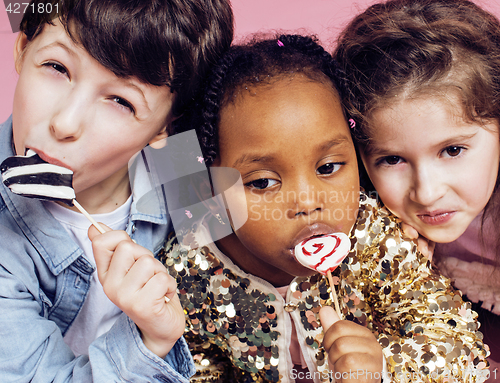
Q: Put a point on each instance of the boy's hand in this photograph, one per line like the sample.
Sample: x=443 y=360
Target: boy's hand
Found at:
x=137 y=283
x=425 y=246
x=354 y=353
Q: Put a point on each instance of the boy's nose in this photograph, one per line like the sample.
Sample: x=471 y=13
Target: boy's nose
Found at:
x=67 y=120
x=427 y=186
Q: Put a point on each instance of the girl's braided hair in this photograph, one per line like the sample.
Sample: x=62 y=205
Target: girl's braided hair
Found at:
x=258 y=63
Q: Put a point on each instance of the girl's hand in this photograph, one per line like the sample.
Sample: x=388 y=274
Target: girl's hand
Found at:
x=138 y=283
x=425 y=246
x=354 y=354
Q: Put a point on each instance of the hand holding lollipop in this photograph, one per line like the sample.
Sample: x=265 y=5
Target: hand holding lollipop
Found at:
x=324 y=254
x=32 y=177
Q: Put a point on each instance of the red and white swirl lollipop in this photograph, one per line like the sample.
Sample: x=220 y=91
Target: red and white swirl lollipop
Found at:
x=323 y=254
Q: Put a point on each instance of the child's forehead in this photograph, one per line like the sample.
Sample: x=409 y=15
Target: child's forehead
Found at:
x=291 y=110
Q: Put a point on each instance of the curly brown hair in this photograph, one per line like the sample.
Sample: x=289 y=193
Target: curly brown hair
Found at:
x=422 y=48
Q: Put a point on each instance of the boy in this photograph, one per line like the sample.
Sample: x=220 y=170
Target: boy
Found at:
x=98 y=80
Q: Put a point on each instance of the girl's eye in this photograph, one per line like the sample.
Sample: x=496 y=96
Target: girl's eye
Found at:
x=453 y=151
x=57 y=67
x=262 y=183
x=391 y=160
x=124 y=103
x=329 y=168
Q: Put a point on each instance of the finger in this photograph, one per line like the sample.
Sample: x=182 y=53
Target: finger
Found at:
x=409 y=231
x=159 y=286
x=423 y=246
x=432 y=246
x=346 y=329
x=130 y=269
x=328 y=317
x=114 y=245
x=353 y=345
x=93 y=232
x=358 y=367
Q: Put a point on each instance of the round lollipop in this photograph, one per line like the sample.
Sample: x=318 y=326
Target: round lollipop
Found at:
x=32 y=177
x=323 y=254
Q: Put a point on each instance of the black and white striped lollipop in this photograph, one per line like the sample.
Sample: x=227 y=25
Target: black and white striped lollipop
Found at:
x=32 y=177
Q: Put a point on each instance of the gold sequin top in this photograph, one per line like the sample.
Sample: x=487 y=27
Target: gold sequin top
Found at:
x=239 y=329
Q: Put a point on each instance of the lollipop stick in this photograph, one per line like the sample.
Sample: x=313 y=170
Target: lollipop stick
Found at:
x=92 y=220
x=334 y=293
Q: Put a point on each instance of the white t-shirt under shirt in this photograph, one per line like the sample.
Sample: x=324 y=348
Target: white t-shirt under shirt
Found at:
x=98 y=313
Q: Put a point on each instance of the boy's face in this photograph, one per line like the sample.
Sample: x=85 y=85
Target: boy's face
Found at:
x=292 y=146
x=76 y=113
x=431 y=168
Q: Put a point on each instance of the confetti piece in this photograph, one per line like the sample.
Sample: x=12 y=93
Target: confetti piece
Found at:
x=352 y=123
x=200 y=159
x=280 y=43
x=188 y=213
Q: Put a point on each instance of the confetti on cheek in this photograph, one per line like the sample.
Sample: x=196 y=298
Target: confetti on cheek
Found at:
x=188 y=214
x=200 y=159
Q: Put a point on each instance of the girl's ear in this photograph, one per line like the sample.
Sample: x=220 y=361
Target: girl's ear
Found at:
x=19 y=49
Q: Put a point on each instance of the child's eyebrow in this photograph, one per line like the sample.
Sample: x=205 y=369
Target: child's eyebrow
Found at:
x=248 y=159
x=60 y=45
x=456 y=140
x=341 y=140
x=373 y=150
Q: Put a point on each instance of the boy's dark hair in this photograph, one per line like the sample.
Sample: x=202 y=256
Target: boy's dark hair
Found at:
x=418 y=48
x=258 y=63
x=161 y=42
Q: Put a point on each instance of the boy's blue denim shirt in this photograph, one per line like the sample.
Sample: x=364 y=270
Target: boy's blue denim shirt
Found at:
x=44 y=279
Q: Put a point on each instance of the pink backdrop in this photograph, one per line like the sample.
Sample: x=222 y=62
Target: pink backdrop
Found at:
x=325 y=18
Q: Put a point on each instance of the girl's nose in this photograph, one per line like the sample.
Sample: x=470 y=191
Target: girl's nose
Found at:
x=428 y=186
x=307 y=199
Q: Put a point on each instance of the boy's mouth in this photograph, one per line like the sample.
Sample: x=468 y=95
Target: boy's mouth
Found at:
x=46 y=158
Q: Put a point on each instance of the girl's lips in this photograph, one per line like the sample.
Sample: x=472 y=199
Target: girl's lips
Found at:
x=311 y=231
x=436 y=218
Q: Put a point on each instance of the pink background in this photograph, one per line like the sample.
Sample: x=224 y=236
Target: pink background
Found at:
x=325 y=18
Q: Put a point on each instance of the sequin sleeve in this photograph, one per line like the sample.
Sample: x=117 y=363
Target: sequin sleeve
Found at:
x=427 y=332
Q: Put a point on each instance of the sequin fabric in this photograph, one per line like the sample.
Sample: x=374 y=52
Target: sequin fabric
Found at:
x=239 y=331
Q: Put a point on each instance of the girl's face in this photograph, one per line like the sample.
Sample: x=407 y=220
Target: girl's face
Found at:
x=292 y=146
x=430 y=167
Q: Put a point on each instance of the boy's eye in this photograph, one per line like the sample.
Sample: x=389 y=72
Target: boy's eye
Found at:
x=57 y=67
x=453 y=151
x=329 y=168
x=262 y=183
x=123 y=103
